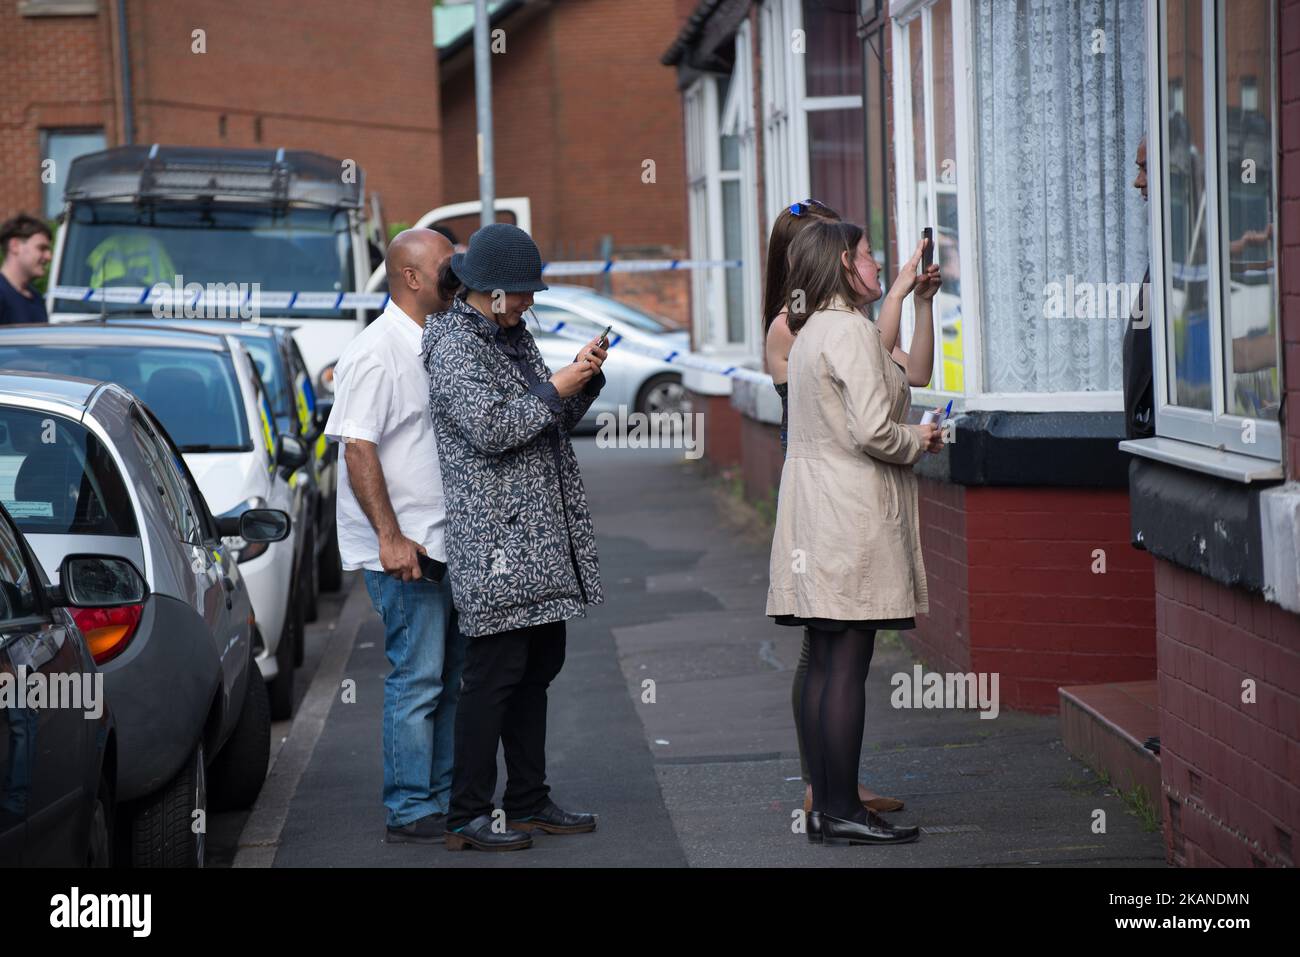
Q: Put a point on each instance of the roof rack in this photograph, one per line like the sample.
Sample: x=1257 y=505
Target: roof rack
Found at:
x=189 y=172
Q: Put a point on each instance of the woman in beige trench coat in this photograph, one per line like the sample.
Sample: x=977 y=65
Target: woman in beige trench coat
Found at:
x=846 y=554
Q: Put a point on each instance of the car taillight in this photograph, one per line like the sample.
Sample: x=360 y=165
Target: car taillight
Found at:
x=107 y=630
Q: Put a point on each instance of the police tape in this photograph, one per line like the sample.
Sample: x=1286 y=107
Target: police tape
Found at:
x=241 y=293
x=241 y=300
x=676 y=357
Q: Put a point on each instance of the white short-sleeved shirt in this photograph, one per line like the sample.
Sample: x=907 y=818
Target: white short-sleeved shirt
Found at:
x=381 y=395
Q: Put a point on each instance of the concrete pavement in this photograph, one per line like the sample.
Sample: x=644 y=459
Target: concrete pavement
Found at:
x=707 y=774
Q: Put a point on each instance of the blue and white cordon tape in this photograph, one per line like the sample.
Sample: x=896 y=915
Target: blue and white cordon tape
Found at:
x=231 y=297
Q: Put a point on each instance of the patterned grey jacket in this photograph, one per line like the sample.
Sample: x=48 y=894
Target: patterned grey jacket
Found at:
x=520 y=546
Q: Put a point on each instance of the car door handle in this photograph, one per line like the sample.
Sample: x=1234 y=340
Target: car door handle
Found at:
x=230 y=588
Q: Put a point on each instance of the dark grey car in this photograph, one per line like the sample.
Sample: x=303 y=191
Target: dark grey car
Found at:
x=86 y=468
x=58 y=758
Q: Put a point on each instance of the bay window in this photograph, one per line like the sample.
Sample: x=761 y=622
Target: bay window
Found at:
x=1016 y=128
x=1214 y=271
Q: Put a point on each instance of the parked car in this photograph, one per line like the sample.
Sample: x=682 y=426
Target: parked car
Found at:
x=638 y=382
x=85 y=467
x=300 y=413
x=635 y=381
x=58 y=765
x=206 y=391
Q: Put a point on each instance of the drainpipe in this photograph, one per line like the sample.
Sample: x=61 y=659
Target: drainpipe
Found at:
x=124 y=64
x=483 y=101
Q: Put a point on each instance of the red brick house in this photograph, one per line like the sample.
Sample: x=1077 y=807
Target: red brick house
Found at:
x=579 y=107
x=339 y=80
x=1019 y=150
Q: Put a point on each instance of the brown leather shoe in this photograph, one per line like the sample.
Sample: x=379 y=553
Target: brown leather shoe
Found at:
x=882 y=804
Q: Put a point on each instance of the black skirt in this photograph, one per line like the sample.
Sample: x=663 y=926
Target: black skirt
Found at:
x=835 y=624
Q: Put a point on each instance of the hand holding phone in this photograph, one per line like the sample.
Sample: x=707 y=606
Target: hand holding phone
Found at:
x=431 y=569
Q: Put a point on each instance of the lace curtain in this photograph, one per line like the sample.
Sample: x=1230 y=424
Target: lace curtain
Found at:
x=1058 y=130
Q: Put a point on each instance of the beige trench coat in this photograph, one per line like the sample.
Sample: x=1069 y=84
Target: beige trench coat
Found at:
x=848 y=541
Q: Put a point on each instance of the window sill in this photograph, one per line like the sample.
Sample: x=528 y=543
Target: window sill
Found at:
x=1198 y=458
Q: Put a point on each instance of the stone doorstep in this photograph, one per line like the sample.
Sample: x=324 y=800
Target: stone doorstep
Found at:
x=1105 y=725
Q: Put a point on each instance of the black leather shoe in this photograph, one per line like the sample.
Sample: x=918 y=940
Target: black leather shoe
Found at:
x=876 y=831
x=813 y=822
x=478 y=834
x=427 y=830
x=553 y=820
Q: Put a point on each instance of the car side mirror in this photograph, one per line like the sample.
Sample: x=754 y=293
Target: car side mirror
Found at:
x=319 y=420
x=324 y=406
x=256 y=525
x=98 y=581
x=291 y=454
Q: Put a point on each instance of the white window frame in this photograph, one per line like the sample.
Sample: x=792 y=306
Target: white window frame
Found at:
x=786 y=105
x=706 y=122
x=785 y=131
x=738 y=120
x=1215 y=428
x=908 y=229
x=708 y=301
x=903 y=16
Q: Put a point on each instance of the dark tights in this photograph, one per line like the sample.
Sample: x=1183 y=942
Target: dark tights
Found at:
x=834 y=709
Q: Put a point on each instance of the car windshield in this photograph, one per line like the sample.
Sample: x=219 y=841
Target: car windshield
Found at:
x=56 y=477
x=291 y=249
x=621 y=310
x=193 y=392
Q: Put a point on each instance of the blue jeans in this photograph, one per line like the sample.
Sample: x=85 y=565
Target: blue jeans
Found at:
x=427 y=653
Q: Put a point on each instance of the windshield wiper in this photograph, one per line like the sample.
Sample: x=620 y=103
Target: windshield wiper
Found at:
x=214 y=448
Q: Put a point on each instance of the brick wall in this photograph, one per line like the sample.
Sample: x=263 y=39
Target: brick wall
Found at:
x=761 y=459
x=1012 y=589
x=722 y=429
x=942 y=638
x=579 y=101
x=331 y=77
x=55 y=72
x=1230 y=770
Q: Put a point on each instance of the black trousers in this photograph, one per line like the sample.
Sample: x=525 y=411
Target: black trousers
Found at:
x=503 y=699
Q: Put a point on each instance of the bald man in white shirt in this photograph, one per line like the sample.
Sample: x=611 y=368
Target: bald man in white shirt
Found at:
x=390 y=516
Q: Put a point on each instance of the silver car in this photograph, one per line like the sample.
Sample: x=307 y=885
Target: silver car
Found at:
x=639 y=382
x=85 y=467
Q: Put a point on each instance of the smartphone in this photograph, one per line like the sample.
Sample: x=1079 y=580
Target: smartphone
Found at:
x=431 y=569
x=927 y=253
x=604 y=337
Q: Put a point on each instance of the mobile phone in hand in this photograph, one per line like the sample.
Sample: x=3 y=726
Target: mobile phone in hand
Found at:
x=927 y=251
x=431 y=569
x=604 y=337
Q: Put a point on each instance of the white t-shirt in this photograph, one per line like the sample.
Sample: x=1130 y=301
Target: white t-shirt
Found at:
x=381 y=394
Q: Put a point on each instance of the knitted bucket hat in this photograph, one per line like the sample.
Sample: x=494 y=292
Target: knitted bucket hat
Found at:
x=500 y=256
